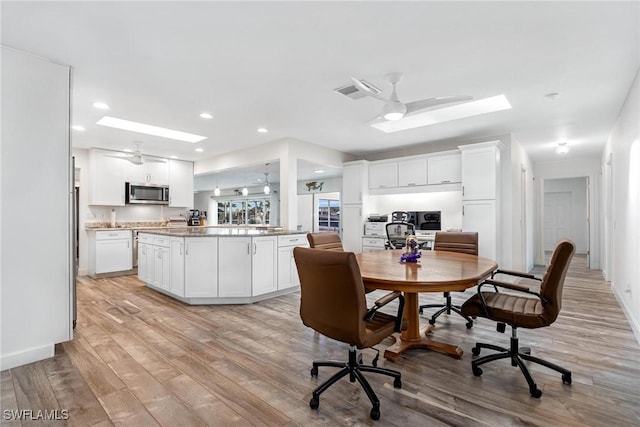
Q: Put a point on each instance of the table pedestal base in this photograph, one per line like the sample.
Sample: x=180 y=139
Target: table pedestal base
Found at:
x=401 y=345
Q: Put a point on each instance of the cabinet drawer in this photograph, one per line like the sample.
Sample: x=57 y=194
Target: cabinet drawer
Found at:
x=145 y=238
x=109 y=235
x=375 y=229
x=163 y=241
x=293 y=240
x=371 y=242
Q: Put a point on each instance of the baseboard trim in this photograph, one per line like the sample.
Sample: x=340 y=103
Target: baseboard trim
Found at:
x=626 y=309
x=19 y=358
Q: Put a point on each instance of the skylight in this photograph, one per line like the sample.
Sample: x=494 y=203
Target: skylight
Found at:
x=149 y=129
x=446 y=114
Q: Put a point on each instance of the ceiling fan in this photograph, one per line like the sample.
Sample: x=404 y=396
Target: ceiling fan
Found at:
x=136 y=157
x=394 y=109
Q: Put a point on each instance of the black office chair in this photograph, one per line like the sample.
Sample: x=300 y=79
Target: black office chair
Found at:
x=397 y=233
x=400 y=216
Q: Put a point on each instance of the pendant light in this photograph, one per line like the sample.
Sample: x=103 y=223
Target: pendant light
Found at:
x=267 y=188
x=216 y=191
x=245 y=190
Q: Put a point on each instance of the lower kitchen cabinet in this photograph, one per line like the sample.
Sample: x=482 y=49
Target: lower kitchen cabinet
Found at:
x=161 y=267
x=145 y=262
x=264 y=265
x=234 y=267
x=200 y=267
x=176 y=281
x=287 y=270
x=112 y=252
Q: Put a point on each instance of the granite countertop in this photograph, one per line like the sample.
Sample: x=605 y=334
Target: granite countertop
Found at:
x=222 y=232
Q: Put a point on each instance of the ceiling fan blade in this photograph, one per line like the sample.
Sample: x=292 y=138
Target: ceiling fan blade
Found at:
x=136 y=160
x=154 y=160
x=368 y=89
x=424 y=104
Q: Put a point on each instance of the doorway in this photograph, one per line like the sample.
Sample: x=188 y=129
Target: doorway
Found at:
x=566 y=213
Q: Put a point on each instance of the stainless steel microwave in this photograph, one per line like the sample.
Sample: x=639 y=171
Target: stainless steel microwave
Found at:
x=149 y=194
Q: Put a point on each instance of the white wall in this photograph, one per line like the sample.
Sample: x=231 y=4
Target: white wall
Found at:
x=36 y=243
x=623 y=146
x=448 y=202
x=569 y=167
x=577 y=188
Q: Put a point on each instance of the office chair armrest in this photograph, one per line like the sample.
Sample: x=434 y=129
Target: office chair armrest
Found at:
x=515 y=273
x=381 y=302
x=511 y=286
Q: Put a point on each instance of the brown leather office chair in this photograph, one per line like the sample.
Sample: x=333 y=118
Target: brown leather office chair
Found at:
x=452 y=241
x=522 y=312
x=332 y=302
x=327 y=241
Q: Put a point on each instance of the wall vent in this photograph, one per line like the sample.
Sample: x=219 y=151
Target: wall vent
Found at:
x=352 y=92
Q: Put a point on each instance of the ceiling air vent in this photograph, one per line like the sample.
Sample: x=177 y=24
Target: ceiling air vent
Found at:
x=352 y=92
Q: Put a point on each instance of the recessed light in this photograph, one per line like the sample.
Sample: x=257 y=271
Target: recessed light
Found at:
x=78 y=128
x=199 y=150
x=128 y=150
x=263 y=130
x=174 y=157
x=458 y=111
x=149 y=129
x=100 y=105
x=206 y=116
x=318 y=171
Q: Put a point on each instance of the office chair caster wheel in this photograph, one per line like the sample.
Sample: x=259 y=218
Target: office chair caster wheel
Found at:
x=397 y=383
x=535 y=392
x=566 y=378
x=314 y=403
x=469 y=324
x=314 y=371
x=475 y=351
x=432 y=321
x=375 y=414
x=476 y=371
x=420 y=311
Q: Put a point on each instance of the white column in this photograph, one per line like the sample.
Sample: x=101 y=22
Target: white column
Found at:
x=288 y=190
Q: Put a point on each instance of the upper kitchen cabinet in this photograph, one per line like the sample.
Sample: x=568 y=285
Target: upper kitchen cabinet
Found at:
x=354 y=178
x=152 y=171
x=180 y=184
x=480 y=163
x=444 y=169
x=412 y=172
x=383 y=175
x=106 y=186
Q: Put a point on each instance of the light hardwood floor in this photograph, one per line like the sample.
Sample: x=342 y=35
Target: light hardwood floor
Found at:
x=141 y=359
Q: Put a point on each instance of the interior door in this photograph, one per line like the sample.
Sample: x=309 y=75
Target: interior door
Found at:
x=557 y=218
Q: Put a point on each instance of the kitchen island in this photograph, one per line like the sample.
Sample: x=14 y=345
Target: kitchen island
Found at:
x=219 y=265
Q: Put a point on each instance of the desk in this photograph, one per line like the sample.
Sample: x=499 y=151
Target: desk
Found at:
x=437 y=271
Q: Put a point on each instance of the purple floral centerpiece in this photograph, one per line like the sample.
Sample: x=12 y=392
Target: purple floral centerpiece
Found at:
x=411 y=252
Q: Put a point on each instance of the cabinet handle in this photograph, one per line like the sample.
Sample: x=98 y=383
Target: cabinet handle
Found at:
x=411 y=183
x=255 y=248
x=248 y=248
x=463 y=210
x=186 y=252
x=446 y=181
x=360 y=196
x=181 y=247
x=463 y=190
x=292 y=240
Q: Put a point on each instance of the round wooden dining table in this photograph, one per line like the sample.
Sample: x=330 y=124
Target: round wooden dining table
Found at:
x=435 y=271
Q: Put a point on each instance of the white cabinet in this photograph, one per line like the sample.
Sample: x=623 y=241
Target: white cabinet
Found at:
x=444 y=169
x=234 y=267
x=106 y=186
x=264 y=265
x=480 y=216
x=412 y=172
x=113 y=251
x=287 y=270
x=144 y=261
x=479 y=173
x=152 y=171
x=351 y=216
x=180 y=183
x=176 y=279
x=383 y=175
x=161 y=262
x=370 y=244
x=201 y=267
x=354 y=179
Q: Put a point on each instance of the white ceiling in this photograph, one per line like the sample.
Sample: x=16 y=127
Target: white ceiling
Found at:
x=275 y=65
